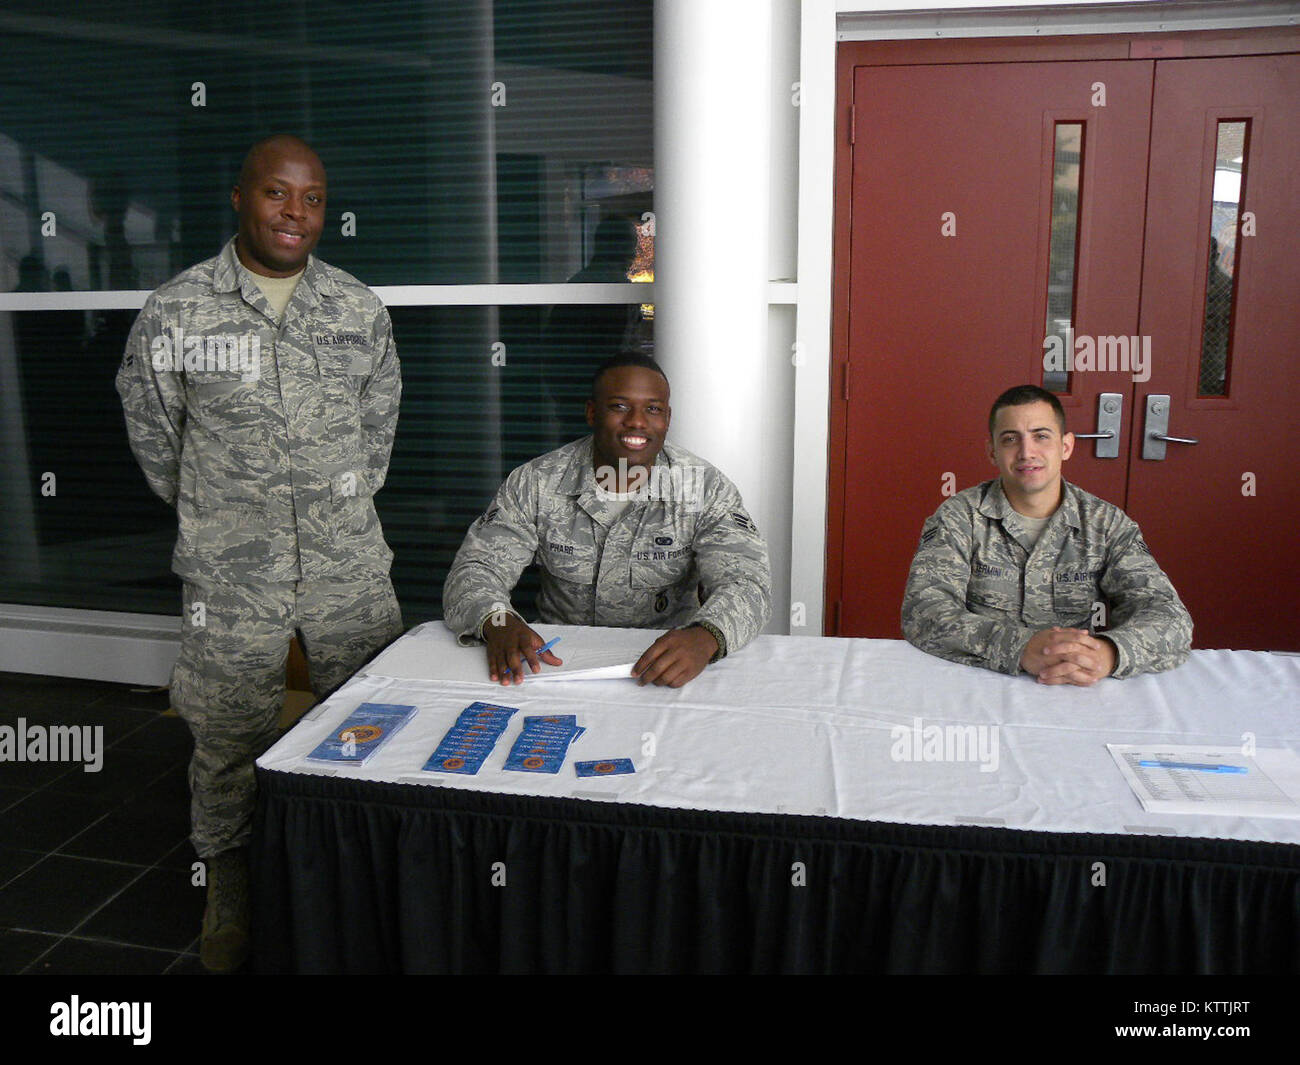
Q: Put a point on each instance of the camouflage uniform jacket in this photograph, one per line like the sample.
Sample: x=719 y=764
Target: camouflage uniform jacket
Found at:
x=269 y=440
x=976 y=593
x=687 y=554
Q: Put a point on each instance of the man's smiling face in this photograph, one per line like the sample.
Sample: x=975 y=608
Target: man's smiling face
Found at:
x=1028 y=448
x=629 y=417
x=281 y=205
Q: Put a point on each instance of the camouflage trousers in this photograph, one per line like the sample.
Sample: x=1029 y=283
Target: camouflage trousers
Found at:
x=228 y=683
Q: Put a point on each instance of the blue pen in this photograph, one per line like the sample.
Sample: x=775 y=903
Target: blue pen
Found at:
x=1193 y=765
x=541 y=650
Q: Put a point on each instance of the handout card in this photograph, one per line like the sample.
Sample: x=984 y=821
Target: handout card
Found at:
x=608 y=767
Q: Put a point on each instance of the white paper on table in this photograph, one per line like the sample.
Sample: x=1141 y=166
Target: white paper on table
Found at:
x=596 y=654
x=1268 y=788
x=429 y=652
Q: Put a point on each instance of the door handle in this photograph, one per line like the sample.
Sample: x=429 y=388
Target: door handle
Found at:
x=1156 y=430
x=1110 y=410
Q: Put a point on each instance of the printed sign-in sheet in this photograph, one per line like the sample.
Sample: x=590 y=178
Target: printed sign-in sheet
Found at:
x=1211 y=780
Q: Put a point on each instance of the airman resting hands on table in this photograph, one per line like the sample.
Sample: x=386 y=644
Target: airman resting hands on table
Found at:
x=1014 y=573
x=1068 y=656
x=628 y=530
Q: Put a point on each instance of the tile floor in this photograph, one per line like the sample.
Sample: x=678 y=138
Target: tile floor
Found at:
x=95 y=868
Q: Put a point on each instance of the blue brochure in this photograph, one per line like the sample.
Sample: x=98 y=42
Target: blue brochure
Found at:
x=543 y=744
x=470 y=740
x=367 y=728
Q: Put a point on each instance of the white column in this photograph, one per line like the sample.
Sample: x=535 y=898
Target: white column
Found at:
x=811 y=404
x=713 y=100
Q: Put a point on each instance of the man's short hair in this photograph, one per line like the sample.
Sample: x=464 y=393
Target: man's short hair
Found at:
x=1022 y=395
x=275 y=140
x=625 y=358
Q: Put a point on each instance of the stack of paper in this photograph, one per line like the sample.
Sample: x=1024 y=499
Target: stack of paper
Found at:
x=1211 y=780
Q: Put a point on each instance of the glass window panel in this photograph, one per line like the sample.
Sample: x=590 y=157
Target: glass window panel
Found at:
x=463 y=134
x=1221 y=265
x=1067 y=165
x=11 y=173
x=103 y=541
x=551 y=179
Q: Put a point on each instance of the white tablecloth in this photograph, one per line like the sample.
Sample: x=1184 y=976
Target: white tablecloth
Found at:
x=807 y=725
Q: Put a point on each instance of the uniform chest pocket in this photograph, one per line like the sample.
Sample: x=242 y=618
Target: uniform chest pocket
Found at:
x=1073 y=597
x=996 y=590
x=345 y=363
x=661 y=567
x=226 y=405
x=571 y=562
x=214 y=386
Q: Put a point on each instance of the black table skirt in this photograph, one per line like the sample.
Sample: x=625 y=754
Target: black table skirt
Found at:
x=357 y=877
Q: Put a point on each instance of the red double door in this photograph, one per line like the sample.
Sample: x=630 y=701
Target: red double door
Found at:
x=990 y=195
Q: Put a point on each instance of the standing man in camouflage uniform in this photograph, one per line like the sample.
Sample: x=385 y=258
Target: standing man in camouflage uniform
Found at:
x=261 y=392
x=630 y=532
x=1008 y=573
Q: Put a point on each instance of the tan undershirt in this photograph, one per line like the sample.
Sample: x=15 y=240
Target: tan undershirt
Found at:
x=277 y=290
x=1034 y=527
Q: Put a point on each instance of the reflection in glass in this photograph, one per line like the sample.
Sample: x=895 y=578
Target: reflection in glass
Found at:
x=468 y=141
x=123 y=183
x=1221 y=266
x=1067 y=164
x=103 y=541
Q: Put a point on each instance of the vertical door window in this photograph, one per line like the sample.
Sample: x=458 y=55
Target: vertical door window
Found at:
x=1221 y=264
x=1063 y=250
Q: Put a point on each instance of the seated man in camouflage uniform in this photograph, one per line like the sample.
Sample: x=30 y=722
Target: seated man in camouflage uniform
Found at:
x=630 y=532
x=261 y=391
x=1010 y=573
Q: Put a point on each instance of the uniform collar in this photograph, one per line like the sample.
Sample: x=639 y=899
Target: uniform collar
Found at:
x=231 y=275
x=577 y=479
x=996 y=505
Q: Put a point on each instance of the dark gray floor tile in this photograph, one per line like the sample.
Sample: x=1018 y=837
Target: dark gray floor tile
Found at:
x=9 y=796
x=45 y=820
x=122 y=774
x=187 y=965
x=174 y=784
x=143 y=830
x=60 y=893
x=21 y=692
x=13 y=862
x=182 y=858
x=31 y=775
x=161 y=909
x=20 y=949
x=169 y=735
x=87 y=957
